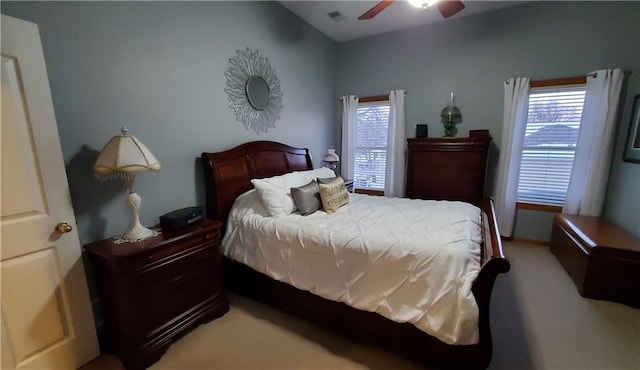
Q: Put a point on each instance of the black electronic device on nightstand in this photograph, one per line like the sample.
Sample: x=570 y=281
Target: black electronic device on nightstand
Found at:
x=180 y=218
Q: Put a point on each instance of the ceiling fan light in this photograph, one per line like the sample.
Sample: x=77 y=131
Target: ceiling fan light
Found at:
x=422 y=4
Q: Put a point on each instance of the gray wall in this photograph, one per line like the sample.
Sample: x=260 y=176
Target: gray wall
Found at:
x=473 y=55
x=158 y=67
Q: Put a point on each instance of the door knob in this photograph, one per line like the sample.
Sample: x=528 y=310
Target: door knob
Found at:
x=63 y=228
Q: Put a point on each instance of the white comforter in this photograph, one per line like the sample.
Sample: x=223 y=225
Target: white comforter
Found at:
x=408 y=260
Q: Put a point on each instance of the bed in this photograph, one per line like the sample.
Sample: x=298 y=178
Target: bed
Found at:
x=228 y=175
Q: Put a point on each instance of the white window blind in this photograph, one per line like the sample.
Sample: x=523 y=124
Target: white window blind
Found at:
x=550 y=143
x=371 y=145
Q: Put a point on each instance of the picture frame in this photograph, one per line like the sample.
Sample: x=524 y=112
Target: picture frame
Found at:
x=422 y=130
x=632 y=149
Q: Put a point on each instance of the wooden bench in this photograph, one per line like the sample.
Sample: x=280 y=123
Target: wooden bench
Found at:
x=602 y=259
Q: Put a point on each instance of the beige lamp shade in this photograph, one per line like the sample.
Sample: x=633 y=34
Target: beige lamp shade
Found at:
x=124 y=156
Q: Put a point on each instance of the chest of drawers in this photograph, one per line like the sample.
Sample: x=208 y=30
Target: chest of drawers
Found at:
x=154 y=291
x=448 y=168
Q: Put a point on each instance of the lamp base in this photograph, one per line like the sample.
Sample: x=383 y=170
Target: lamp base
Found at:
x=450 y=129
x=138 y=233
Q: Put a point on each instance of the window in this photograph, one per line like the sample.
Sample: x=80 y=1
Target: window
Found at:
x=551 y=136
x=371 y=144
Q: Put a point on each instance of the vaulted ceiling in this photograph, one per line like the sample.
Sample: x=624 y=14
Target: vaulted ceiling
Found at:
x=399 y=15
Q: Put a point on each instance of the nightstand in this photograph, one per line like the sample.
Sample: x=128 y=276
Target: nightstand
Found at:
x=157 y=290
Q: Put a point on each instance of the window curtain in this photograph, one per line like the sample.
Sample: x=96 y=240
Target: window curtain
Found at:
x=514 y=122
x=588 y=183
x=349 y=121
x=394 y=171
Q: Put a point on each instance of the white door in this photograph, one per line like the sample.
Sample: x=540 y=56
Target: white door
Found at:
x=47 y=321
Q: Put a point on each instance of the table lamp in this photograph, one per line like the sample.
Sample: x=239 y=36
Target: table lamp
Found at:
x=451 y=116
x=332 y=159
x=124 y=156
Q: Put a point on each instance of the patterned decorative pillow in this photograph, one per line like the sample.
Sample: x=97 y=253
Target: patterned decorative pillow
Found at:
x=307 y=198
x=333 y=195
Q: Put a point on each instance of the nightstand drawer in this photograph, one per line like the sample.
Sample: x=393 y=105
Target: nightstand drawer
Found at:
x=175 y=251
x=169 y=289
x=165 y=270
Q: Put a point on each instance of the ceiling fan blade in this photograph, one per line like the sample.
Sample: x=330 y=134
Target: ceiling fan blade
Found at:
x=449 y=8
x=376 y=9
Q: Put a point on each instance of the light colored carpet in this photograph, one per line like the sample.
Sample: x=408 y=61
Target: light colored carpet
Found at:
x=539 y=321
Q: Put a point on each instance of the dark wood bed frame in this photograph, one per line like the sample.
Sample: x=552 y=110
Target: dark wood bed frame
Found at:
x=228 y=174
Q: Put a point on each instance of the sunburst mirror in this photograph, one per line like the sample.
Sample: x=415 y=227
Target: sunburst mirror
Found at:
x=254 y=90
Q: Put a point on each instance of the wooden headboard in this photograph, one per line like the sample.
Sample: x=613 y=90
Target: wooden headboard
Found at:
x=228 y=174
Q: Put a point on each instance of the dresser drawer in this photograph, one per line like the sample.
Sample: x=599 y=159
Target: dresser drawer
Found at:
x=167 y=269
x=167 y=289
x=169 y=253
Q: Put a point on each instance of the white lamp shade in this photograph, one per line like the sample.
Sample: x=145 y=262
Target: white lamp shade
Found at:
x=124 y=156
x=331 y=156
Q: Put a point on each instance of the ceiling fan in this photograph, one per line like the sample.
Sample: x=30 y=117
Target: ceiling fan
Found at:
x=446 y=7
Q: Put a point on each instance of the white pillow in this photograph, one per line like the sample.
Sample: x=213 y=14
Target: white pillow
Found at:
x=275 y=192
x=321 y=172
x=247 y=203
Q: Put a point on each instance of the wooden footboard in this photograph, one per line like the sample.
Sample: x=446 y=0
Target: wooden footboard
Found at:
x=493 y=263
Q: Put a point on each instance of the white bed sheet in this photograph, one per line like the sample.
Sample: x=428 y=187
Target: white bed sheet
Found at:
x=408 y=260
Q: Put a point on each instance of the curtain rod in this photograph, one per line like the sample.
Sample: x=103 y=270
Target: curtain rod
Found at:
x=339 y=98
x=591 y=74
x=595 y=74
